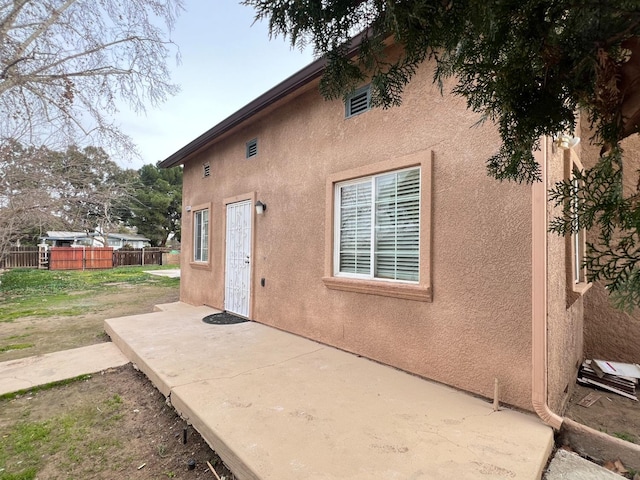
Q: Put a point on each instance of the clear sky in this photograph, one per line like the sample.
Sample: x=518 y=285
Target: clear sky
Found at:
x=227 y=61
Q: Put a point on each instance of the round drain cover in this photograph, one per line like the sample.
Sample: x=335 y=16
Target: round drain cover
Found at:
x=224 y=318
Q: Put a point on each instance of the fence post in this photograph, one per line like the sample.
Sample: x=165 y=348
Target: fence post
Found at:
x=143 y=256
x=43 y=256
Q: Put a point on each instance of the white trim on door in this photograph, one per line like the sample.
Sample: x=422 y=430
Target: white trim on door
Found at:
x=238 y=257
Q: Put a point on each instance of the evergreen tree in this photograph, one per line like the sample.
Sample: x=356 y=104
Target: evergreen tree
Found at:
x=157 y=203
x=526 y=65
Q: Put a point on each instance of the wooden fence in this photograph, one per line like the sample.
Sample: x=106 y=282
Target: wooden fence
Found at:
x=138 y=256
x=79 y=258
x=85 y=258
x=20 y=257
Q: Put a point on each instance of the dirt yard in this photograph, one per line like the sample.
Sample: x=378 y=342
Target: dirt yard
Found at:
x=113 y=424
x=613 y=414
x=62 y=332
x=610 y=413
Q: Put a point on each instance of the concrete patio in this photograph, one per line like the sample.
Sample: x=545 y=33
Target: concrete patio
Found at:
x=278 y=406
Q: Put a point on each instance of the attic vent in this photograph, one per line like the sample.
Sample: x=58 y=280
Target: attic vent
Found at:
x=206 y=170
x=358 y=102
x=252 y=148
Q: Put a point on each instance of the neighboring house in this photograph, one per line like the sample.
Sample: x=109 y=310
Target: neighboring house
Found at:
x=67 y=239
x=383 y=236
x=82 y=239
x=119 y=240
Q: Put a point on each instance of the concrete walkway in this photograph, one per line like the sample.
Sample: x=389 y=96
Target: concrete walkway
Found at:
x=277 y=406
x=569 y=466
x=30 y=372
x=172 y=273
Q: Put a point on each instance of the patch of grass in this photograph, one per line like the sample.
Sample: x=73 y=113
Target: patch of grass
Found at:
x=20 y=449
x=15 y=346
x=38 y=306
x=47 y=282
x=27 y=474
x=25 y=444
x=40 y=293
x=624 y=436
x=16 y=337
x=114 y=401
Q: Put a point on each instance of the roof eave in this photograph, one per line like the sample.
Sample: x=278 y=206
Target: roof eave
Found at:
x=284 y=88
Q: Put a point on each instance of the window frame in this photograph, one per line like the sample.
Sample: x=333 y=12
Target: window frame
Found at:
x=419 y=290
x=195 y=262
x=576 y=244
x=371 y=180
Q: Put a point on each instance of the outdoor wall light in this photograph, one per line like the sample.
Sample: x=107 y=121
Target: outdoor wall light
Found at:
x=567 y=141
x=260 y=207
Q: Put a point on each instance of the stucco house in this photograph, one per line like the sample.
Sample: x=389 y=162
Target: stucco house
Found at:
x=83 y=239
x=380 y=233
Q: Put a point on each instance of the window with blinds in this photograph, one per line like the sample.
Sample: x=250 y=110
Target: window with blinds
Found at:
x=201 y=236
x=378 y=226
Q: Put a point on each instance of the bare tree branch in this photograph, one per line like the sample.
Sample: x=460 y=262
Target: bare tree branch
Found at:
x=67 y=65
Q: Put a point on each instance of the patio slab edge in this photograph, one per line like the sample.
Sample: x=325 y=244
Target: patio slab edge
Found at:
x=277 y=406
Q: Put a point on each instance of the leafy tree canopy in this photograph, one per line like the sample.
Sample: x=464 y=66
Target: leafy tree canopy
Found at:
x=155 y=209
x=41 y=189
x=526 y=65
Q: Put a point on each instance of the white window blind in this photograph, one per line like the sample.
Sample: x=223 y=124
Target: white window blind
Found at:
x=201 y=236
x=355 y=228
x=379 y=226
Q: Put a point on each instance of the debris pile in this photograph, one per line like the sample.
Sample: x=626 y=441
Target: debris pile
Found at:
x=616 y=377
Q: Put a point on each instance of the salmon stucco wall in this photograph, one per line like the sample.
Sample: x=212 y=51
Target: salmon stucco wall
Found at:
x=610 y=333
x=477 y=325
x=565 y=341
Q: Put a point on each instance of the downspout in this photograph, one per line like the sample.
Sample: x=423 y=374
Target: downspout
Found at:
x=539 y=232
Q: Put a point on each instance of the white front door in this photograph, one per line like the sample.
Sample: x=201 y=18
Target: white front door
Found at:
x=237 y=282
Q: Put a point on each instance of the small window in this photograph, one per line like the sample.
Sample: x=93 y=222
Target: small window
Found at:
x=201 y=236
x=578 y=234
x=358 y=102
x=206 y=170
x=252 y=148
x=577 y=281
